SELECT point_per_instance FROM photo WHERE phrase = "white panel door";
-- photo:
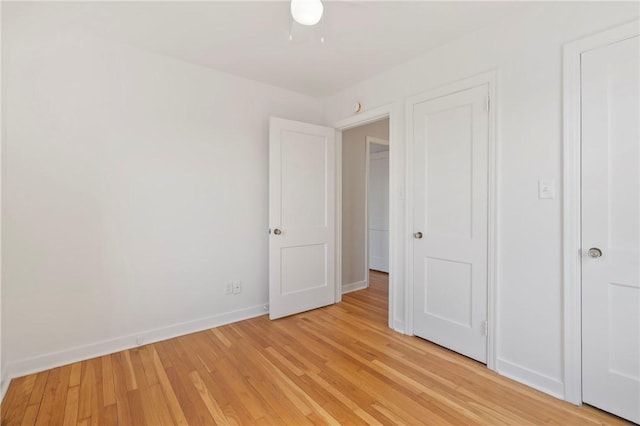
(301, 216)
(450, 163)
(378, 221)
(610, 229)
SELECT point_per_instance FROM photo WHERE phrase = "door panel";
(304, 179)
(301, 216)
(449, 172)
(450, 135)
(611, 223)
(378, 199)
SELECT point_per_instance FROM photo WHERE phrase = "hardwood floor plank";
(110, 416)
(336, 365)
(48, 397)
(136, 408)
(71, 406)
(17, 398)
(194, 409)
(214, 409)
(161, 406)
(146, 359)
(38, 388)
(30, 415)
(169, 394)
(108, 385)
(120, 389)
(76, 374)
(97, 397)
(131, 381)
(59, 392)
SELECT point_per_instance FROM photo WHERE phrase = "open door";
(302, 217)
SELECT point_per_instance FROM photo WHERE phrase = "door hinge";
(483, 328)
(487, 106)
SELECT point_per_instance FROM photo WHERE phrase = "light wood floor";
(336, 365)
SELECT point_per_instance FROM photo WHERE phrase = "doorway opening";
(365, 203)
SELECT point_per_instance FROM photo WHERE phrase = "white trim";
(5, 381)
(338, 218)
(529, 377)
(359, 285)
(571, 217)
(489, 78)
(396, 147)
(379, 141)
(493, 216)
(80, 353)
(367, 174)
(364, 117)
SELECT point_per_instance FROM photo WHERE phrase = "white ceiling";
(251, 39)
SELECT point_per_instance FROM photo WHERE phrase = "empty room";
(320, 212)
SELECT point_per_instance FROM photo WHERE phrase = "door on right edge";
(450, 182)
(610, 228)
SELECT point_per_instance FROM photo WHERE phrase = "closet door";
(611, 228)
(450, 155)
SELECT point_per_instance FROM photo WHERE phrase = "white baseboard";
(4, 385)
(399, 326)
(359, 285)
(80, 353)
(541, 382)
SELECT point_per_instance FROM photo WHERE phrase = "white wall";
(134, 187)
(527, 52)
(354, 148)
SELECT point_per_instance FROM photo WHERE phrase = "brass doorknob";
(277, 231)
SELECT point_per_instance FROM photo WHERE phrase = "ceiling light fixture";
(306, 12)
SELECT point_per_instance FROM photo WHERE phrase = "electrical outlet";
(228, 287)
(139, 340)
(237, 287)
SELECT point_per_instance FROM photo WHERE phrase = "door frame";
(572, 200)
(367, 173)
(489, 78)
(390, 111)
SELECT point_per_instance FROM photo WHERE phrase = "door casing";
(572, 200)
(396, 148)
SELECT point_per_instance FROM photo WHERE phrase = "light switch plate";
(546, 189)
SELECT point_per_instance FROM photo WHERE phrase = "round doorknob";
(277, 231)
(417, 235)
(594, 252)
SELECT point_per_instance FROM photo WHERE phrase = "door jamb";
(389, 111)
(489, 78)
(571, 212)
(367, 171)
